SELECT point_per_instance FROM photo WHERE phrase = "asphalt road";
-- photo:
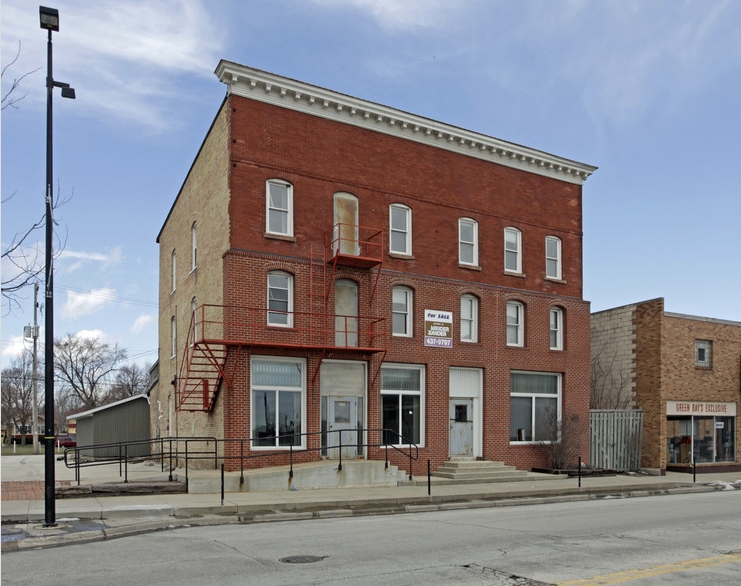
(675, 539)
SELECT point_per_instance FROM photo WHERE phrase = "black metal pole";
(49, 480)
(579, 472)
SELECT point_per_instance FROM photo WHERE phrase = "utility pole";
(35, 381)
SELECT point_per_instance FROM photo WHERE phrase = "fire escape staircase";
(218, 332)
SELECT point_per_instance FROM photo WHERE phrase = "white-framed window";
(553, 257)
(173, 270)
(534, 406)
(280, 299)
(703, 353)
(512, 250)
(556, 328)
(400, 229)
(515, 323)
(468, 242)
(279, 214)
(278, 398)
(469, 318)
(193, 246)
(402, 404)
(401, 311)
(173, 337)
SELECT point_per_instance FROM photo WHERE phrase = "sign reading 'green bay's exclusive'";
(438, 328)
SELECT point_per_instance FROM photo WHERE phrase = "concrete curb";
(125, 522)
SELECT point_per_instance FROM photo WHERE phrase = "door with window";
(466, 419)
(461, 427)
(342, 409)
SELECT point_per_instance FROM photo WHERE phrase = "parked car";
(66, 441)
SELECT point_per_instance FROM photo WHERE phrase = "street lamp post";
(49, 18)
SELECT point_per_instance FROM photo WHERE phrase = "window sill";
(552, 280)
(514, 274)
(520, 346)
(401, 256)
(469, 267)
(283, 237)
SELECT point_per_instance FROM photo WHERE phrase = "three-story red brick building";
(338, 275)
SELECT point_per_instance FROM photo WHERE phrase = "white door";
(461, 427)
(343, 427)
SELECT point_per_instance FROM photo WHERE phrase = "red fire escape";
(220, 331)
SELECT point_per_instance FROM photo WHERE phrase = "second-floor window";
(468, 242)
(193, 246)
(469, 318)
(703, 353)
(512, 250)
(515, 324)
(173, 270)
(402, 311)
(400, 229)
(279, 208)
(556, 328)
(280, 299)
(553, 257)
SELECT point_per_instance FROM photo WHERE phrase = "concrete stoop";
(475, 471)
(324, 474)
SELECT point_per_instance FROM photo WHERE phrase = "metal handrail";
(172, 449)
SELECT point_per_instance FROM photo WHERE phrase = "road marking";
(629, 575)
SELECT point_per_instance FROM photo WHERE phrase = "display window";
(700, 439)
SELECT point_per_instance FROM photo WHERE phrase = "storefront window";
(700, 439)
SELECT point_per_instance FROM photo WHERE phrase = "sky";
(646, 90)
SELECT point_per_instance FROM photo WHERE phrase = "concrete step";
(465, 470)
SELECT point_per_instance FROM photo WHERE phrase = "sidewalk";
(104, 517)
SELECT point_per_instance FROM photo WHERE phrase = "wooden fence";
(615, 439)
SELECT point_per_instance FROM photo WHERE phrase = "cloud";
(81, 258)
(400, 15)
(141, 323)
(91, 335)
(82, 304)
(12, 348)
(125, 59)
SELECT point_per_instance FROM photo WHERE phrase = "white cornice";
(295, 95)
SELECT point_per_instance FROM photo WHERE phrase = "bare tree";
(22, 258)
(565, 435)
(17, 395)
(84, 367)
(131, 380)
(611, 385)
(11, 97)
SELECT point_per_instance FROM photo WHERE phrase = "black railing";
(172, 451)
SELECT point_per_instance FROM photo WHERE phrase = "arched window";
(469, 318)
(280, 299)
(193, 247)
(556, 328)
(402, 312)
(173, 270)
(515, 323)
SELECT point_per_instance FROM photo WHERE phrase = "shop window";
(278, 395)
(535, 406)
(402, 404)
(701, 439)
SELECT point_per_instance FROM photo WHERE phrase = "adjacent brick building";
(684, 372)
(338, 275)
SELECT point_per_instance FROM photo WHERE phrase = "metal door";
(343, 427)
(461, 427)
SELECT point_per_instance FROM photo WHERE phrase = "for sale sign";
(438, 328)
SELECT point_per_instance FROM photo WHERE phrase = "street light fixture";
(49, 18)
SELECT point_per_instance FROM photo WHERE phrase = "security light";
(49, 18)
